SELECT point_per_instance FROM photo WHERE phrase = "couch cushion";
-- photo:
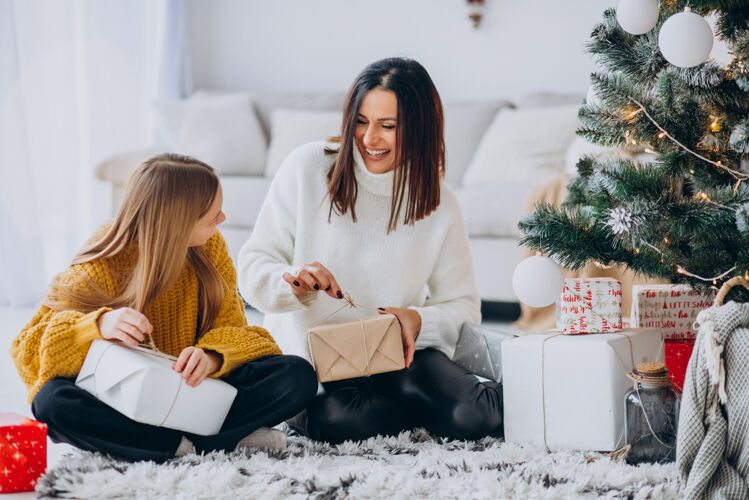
(493, 209)
(266, 104)
(291, 128)
(243, 198)
(221, 130)
(525, 146)
(465, 124)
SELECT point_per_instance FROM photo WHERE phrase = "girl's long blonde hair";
(164, 198)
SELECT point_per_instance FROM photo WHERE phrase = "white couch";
(496, 153)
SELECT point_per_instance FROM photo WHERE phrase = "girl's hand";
(124, 324)
(195, 364)
(410, 321)
(313, 277)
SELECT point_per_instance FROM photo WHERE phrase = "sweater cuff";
(86, 330)
(233, 357)
(429, 335)
(287, 300)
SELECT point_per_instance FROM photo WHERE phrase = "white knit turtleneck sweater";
(426, 266)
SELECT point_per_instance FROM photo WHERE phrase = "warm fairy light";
(704, 196)
(718, 163)
(648, 150)
(715, 282)
(746, 275)
(633, 142)
(666, 240)
(714, 126)
(661, 135)
(635, 113)
(691, 171)
(679, 270)
(637, 250)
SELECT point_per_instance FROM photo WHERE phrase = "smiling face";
(376, 128)
(206, 225)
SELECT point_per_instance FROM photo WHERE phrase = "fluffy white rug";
(411, 465)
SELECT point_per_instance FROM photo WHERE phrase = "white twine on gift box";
(543, 374)
(349, 302)
(153, 351)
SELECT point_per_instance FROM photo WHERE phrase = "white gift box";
(142, 385)
(671, 308)
(570, 388)
(590, 305)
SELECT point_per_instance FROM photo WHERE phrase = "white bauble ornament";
(637, 16)
(537, 281)
(685, 39)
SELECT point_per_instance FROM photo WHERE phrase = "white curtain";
(77, 83)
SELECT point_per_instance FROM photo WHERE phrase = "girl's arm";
(231, 337)
(269, 253)
(453, 299)
(53, 344)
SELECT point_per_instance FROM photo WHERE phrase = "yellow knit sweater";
(55, 343)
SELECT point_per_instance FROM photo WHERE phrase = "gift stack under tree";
(680, 211)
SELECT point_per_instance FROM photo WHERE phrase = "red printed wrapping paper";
(590, 305)
(23, 452)
(671, 308)
(677, 354)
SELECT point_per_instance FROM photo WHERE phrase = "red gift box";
(677, 354)
(23, 452)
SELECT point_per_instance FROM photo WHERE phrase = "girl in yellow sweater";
(160, 270)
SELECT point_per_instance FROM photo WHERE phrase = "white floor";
(13, 392)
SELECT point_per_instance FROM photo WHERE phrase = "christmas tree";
(684, 215)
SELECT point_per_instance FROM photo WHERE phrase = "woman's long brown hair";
(164, 198)
(420, 145)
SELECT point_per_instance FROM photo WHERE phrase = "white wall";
(321, 45)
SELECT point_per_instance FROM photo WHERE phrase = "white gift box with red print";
(671, 308)
(142, 385)
(590, 305)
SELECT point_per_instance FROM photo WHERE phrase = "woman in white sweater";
(369, 215)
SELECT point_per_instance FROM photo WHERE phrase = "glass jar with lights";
(651, 415)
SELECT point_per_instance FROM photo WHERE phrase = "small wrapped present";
(141, 384)
(678, 352)
(590, 305)
(566, 391)
(479, 350)
(672, 308)
(23, 452)
(357, 348)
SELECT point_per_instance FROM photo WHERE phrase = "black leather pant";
(270, 390)
(433, 393)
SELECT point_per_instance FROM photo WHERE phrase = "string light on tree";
(637, 17)
(685, 39)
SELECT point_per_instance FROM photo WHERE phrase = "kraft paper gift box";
(23, 452)
(590, 305)
(358, 348)
(672, 308)
(142, 385)
(479, 350)
(570, 388)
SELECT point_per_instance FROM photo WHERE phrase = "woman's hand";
(410, 321)
(313, 277)
(124, 324)
(195, 364)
